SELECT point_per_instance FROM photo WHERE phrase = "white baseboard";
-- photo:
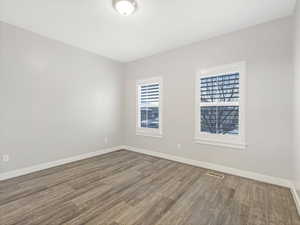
(224, 169)
(31, 169)
(296, 198)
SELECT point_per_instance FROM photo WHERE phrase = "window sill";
(149, 135)
(235, 145)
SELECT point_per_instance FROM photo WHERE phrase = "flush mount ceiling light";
(125, 7)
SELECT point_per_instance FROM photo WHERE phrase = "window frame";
(233, 141)
(151, 132)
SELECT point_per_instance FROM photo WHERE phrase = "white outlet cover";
(106, 140)
(178, 145)
(5, 158)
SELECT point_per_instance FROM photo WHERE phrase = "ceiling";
(157, 26)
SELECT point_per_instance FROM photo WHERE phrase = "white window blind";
(149, 106)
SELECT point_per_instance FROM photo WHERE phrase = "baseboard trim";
(296, 198)
(224, 169)
(47, 165)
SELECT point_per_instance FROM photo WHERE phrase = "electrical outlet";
(5, 158)
(179, 146)
(106, 140)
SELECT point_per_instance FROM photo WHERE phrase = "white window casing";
(217, 91)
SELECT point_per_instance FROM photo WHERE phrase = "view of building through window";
(149, 106)
(150, 117)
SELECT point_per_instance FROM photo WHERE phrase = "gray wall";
(267, 49)
(297, 99)
(56, 101)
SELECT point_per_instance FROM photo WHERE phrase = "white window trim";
(231, 141)
(150, 132)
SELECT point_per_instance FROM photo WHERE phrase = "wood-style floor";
(127, 188)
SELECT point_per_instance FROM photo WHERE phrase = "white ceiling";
(157, 26)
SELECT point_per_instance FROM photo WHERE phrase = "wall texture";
(267, 49)
(296, 132)
(56, 101)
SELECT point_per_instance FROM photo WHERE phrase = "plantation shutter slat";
(149, 94)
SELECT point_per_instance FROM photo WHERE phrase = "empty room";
(150, 112)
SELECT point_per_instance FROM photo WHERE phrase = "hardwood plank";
(128, 188)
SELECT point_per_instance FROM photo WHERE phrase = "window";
(149, 107)
(220, 106)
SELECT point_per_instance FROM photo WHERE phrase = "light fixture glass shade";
(125, 7)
